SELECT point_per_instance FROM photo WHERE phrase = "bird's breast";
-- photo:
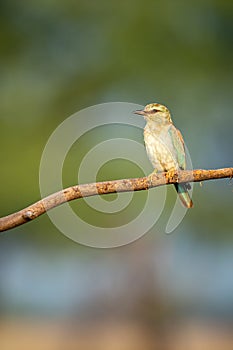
(160, 150)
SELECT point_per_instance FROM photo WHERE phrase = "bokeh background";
(160, 292)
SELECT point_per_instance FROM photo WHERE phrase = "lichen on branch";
(106, 187)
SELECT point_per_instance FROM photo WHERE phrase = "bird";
(165, 145)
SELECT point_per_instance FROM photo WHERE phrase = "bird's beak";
(140, 112)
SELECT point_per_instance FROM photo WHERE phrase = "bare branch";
(106, 187)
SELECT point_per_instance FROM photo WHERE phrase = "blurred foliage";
(57, 57)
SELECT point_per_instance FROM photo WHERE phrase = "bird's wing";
(178, 144)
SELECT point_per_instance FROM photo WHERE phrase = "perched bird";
(165, 145)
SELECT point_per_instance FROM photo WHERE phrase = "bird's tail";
(184, 195)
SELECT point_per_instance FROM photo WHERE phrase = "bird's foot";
(171, 175)
(153, 176)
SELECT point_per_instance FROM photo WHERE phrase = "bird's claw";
(172, 175)
(152, 176)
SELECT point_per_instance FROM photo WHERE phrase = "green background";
(59, 57)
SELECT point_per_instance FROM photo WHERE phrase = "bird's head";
(155, 112)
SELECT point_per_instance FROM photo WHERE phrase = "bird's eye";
(154, 110)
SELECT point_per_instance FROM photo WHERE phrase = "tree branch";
(106, 187)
